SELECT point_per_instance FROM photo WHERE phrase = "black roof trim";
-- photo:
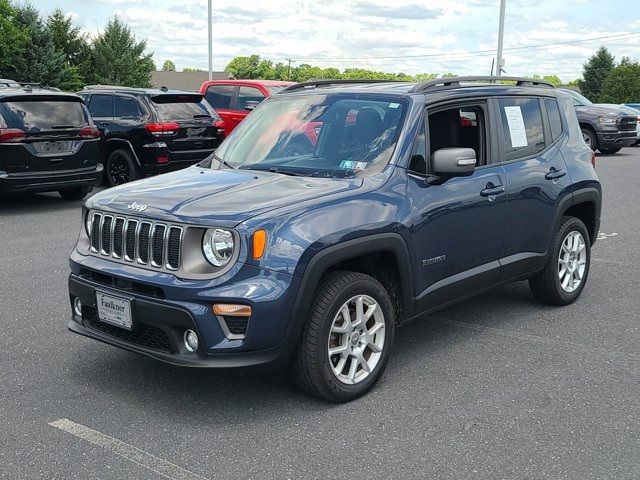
(455, 82)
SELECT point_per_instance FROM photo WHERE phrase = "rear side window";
(183, 107)
(248, 94)
(101, 106)
(127, 107)
(522, 127)
(37, 115)
(219, 96)
(554, 117)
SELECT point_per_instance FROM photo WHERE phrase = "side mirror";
(251, 104)
(454, 162)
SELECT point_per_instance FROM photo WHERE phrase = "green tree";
(168, 66)
(250, 68)
(595, 72)
(70, 40)
(13, 42)
(622, 84)
(191, 69)
(42, 61)
(118, 58)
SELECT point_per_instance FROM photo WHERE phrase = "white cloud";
(402, 35)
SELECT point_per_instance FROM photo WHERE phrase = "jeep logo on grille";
(140, 207)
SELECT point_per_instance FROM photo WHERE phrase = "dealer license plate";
(114, 310)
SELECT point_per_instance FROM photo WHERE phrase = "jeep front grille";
(136, 241)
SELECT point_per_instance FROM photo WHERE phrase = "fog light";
(190, 340)
(77, 306)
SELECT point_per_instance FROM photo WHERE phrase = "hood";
(214, 197)
(603, 110)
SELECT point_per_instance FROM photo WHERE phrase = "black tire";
(546, 285)
(610, 151)
(311, 365)
(590, 138)
(75, 194)
(120, 168)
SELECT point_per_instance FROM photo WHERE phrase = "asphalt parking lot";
(498, 387)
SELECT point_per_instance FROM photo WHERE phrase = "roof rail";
(454, 82)
(328, 83)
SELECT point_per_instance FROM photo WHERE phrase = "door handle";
(555, 174)
(492, 190)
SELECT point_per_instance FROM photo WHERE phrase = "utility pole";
(500, 62)
(289, 69)
(210, 42)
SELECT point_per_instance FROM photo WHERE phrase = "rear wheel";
(609, 151)
(590, 138)
(347, 340)
(74, 194)
(120, 168)
(563, 279)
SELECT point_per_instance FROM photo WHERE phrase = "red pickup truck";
(234, 99)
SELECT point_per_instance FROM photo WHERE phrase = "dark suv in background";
(47, 143)
(605, 127)
(411, 197)
(151, 131)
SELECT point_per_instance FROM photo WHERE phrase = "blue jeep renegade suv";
(336, 212)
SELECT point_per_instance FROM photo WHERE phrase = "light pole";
(500, 62)
(210, 42)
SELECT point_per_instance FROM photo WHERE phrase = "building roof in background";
(189, 81)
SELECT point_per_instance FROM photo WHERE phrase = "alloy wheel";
(572, 261)
(356, 339)
(119, 170)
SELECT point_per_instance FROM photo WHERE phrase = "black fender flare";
(583, 195)
(126, 144)
(327, 257)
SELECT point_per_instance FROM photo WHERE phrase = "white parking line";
(134, 454)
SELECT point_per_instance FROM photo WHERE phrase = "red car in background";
(234, 99)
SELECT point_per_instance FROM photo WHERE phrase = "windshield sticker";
(353, 165)
(516, 127)
(394, 105)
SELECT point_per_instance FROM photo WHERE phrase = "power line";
(622, 36)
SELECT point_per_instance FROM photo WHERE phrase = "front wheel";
(590, 138)
(563, 278)
(609, 151)
(346, 342)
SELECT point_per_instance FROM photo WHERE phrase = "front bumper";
(163, 310)
(50, 181)
(616, 139)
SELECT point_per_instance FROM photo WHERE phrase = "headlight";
(607, 119)
(218, 246)
(87, 221)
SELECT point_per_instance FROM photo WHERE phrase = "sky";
(410, 36)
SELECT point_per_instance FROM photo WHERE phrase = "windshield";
(578, 100)
(322, 135)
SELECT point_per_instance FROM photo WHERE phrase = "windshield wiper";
(292, 173)
(63, 127)
(201, 115)
(223, 162)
